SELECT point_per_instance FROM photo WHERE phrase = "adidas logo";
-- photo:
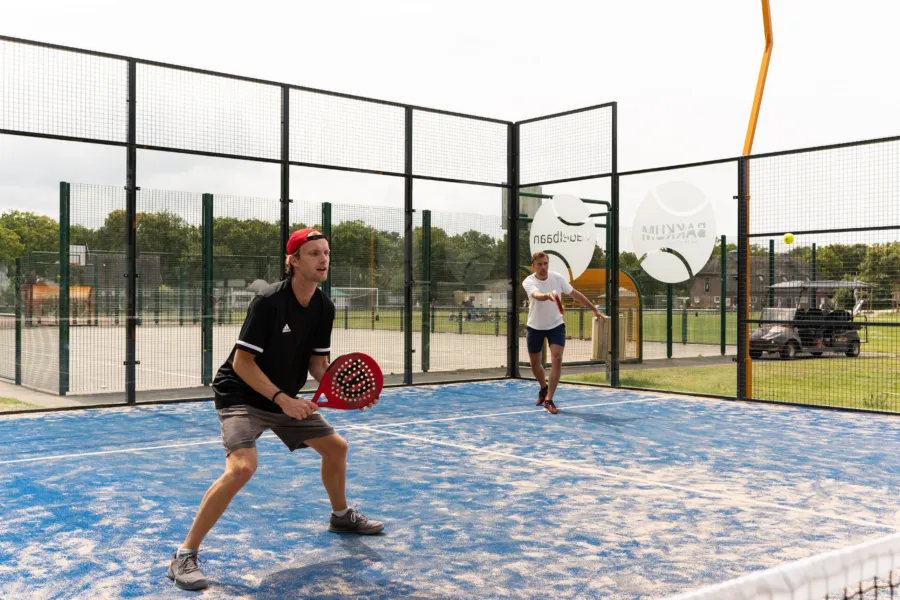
(286, 329)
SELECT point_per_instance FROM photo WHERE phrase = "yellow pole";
(761, 81)
(748, 146)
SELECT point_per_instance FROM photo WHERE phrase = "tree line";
(250, 248)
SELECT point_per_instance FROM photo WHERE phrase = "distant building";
(706, 289)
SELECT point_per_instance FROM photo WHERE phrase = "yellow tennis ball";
(789, 238)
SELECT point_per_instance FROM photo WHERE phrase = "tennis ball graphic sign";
(674, 232)
(563, 228)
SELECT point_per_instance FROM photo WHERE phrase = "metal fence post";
(744, 370)
(813, 276)
(426, 291)
(206, 335)
(723, 291)
(613, 236)
(326, 229)
(18, 311)
(771, 295)
(408, 283)
(140, 298)
(131, 274)
(512, 252)
(95, 305)
(64, 286)
(668, 320)
(180, 296)
(285, 222)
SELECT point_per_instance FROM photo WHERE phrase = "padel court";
(625, 495)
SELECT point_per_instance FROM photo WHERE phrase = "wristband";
(275, 395)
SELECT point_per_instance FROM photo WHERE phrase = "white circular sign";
(564, 229)
(674, 232)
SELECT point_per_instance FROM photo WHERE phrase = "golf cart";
(791, 331)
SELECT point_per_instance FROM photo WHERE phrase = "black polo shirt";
(282, 335)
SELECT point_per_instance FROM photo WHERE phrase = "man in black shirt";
(286, 335)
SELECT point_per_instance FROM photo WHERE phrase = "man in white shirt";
(546, 322)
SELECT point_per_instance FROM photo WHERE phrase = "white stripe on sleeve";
(251, 346)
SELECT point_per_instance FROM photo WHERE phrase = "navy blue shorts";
(534, 338)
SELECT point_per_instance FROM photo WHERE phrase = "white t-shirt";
(545, 314)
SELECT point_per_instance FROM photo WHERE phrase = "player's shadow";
(600, 419)
(332, 579)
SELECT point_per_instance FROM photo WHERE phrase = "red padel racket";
(558, 302)
(351, 381)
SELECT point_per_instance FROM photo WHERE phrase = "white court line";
(504, 414)
(547, 462)
(270, 435)
(103, 452)
(106, 362)
(643, 481)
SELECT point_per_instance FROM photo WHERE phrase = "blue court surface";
(622, 495)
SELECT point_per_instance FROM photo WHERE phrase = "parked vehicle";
(792, 331)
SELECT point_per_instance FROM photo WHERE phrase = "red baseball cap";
(301, 236)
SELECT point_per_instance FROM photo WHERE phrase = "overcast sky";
(683, 74)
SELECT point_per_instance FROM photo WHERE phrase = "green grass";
(13, 404)
(703, 327)
(872, 383)
(717, 380)
(882, 339)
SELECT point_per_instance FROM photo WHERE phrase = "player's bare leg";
(333, 450)
(184, 569)
(240, 466)
(537, 367)
(556, 357)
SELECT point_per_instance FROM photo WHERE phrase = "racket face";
(354, 381)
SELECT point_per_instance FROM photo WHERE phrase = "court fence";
(141, 290)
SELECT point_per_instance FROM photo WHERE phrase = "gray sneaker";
(186, 573)
(354, 522)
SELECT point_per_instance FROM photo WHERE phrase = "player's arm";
(533, 292)
(321, 344)
(318, 366)
(252, 342)
(582, 299)
(247, 369)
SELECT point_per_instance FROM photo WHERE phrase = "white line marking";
(547, 462)
(103, 452)
(504, 414)
(269, 435)
(643, 481)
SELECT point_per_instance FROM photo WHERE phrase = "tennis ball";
(789, 238)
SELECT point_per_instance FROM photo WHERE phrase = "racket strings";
(354, 382)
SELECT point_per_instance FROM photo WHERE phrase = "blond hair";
(537, 255)
(288, 267)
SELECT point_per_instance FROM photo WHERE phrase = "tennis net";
(867, 571)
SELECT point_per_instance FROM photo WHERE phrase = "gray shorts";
(242, 426)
